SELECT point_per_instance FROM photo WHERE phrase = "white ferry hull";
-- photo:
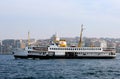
(65, 53)
(53, 56)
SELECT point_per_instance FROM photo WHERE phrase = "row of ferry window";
(75, 48)
(92, 53)
(84, 53)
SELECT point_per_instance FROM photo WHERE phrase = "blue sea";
(11, 68)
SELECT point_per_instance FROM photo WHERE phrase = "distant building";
(103, 44)
(55, 38)
(7, 45)
(17, 44)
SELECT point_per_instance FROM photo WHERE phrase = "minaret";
(28, 38)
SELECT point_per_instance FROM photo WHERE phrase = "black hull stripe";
(64, 57)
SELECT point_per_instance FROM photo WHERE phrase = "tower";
(28, 38)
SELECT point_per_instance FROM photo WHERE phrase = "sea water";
(11, 68)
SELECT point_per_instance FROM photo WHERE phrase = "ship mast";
(80, 41)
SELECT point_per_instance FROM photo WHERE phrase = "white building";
(103, 44)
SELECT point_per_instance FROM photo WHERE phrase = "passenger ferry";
(59, 49)
(54, 51)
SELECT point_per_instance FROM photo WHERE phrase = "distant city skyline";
(43, 18)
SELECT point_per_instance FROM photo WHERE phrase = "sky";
(43, 18)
